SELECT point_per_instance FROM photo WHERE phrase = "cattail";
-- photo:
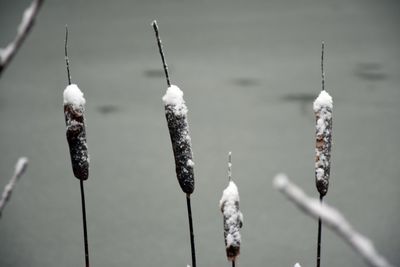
(323, 111)
(74, 108)
(176, 114)
(323, 106)
(233, 218)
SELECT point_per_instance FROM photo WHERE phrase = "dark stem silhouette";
(193, 250)
(319, 237)
(160, 49)
(85, 235)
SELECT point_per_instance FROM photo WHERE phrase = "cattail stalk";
(323, 106)
(74, 108)
(20, 168)
(232, 217)
(176, 116)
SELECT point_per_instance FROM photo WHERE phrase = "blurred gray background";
(250, 71)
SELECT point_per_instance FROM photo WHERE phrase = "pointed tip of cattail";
(230, 166)
(322, 65)
(66, 54)
(154, 23)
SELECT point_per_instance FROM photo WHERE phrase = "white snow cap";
(74, 96)
(323, 100)
(297, 265)
(230, 193)
(174, 97)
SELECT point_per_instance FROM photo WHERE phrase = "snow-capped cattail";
(74, 108)
(233, 218)
(176, 114)
(323, 106)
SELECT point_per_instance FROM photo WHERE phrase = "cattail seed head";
(233, 220)
(74, 108)
(323, 106)
(176, 115)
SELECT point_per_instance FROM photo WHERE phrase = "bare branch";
(28, 19)
(20, 168)
(333, 219)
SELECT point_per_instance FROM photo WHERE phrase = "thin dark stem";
(233, 263)
(66, 54)
(85, 235)
(322, 65)
(189, 209)
(319, 236)
(160, 49)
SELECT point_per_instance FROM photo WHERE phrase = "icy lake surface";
(250, 71)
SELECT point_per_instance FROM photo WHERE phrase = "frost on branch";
(28, 19)
(74, 108)
(20, 168)
(176, 115)
(233, 220)
(333, 219)
(323, 111)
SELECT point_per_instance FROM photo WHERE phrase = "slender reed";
(319, 236)
(323, 110)
(76, 136)
(176, 115)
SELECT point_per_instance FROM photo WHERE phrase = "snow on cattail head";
(233, 220)
(323, 106)
(324, 99)
(74, 96)
(176, 115)
(74, 107)
(174, 98)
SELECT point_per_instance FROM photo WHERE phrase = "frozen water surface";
(135, 208)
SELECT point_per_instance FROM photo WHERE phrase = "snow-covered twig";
(20, 168)
(333, 219)
(28, 19)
